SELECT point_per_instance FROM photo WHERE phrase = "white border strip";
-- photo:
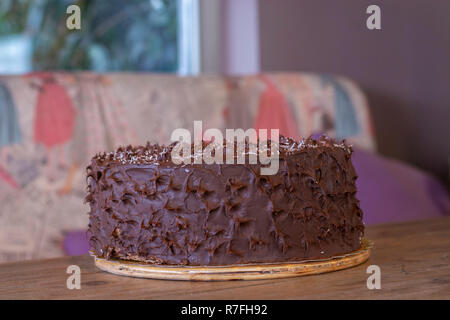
(188, 37)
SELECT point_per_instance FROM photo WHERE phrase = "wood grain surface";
(414, 258)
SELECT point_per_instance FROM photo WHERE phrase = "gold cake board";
(235, 272)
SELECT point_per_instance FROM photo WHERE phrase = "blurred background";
(115, 35)
(138, 69)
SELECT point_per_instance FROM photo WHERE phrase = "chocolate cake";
(145, 208)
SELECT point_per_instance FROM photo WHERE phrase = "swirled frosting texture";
(221, 214)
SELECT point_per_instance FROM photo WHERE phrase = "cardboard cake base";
(235, 272)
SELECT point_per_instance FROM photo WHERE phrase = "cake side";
(221, 214)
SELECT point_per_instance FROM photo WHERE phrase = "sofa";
(52, 123)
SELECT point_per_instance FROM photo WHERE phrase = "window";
(115, 35)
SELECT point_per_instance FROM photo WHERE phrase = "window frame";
(188, 37)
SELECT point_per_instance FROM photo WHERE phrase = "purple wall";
(404, 67)
(240, 36)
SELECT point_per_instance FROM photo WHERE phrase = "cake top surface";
(156, 153)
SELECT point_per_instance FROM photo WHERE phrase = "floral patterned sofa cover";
(51, 124)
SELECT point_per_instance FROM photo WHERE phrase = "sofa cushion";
(393, 191)
(301, 104)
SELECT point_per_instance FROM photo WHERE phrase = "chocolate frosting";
(145, 208)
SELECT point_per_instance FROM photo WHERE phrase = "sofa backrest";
(51, 124)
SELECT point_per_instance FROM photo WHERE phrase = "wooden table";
(414, 258)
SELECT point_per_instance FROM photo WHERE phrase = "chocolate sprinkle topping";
(155, 153)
